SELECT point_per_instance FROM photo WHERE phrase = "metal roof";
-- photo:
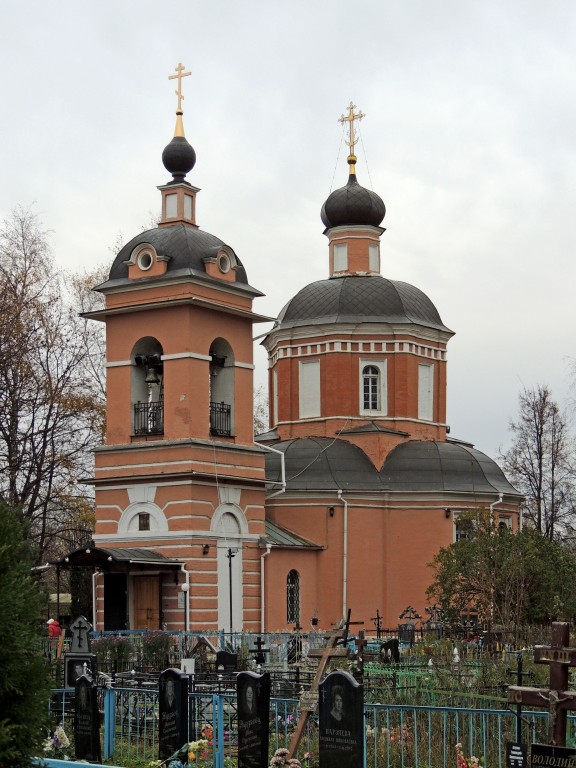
(321, 463)
(281, 537)
(115, 556)
(360, 299)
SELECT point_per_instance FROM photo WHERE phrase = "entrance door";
(115, 601)
(146, 602)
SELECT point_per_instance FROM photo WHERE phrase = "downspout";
(269, 546)
(262, 602)
(344, 557)
(500, 498)
(186, 589)
(282, 469)
(94, 606)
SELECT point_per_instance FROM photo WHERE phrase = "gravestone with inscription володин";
(253, 698)
(341, 729)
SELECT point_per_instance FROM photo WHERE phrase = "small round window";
(224, 262)
(145, 260)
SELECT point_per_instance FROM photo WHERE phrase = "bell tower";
(179, 480)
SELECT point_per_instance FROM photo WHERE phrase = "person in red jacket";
(53, 628)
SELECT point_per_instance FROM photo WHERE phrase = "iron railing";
(149, 418)
(220, 419)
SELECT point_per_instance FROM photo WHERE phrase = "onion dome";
(352, 204)
(179, 158)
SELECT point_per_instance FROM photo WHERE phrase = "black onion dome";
(359, 299)
(352, 204)
(422, 465)
(185, 246)
(179, 157)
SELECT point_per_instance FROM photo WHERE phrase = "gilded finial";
(179, 130)
(350, 118)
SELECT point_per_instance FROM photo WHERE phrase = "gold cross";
(178, 76)
(350, 118)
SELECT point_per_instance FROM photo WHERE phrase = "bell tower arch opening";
(221, 388)
(147, 387)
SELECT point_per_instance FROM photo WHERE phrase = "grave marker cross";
(559, 657)
(259, 651)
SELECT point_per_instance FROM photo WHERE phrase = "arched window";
(293, 598)
(371, 388)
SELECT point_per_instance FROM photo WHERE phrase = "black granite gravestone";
(226, 662)
(173, 689)
(253, 696)
(86, 722)
(390, 651)
(341, 731)
(76, 665)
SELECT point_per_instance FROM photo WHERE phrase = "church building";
(357, 484)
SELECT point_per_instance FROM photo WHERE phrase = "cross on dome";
(178, 76)
(351, 118)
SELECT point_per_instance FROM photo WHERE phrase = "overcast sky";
(469, 137)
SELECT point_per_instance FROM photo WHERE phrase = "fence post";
(218, 729)
(109, 722)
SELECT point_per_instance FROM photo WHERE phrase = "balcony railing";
(149, 418)
(220, 419)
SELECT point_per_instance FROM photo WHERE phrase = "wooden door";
(146, 602)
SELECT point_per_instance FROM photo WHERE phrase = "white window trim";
(340, 261)
(382, 367)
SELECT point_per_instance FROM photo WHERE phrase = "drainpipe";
(282, 469)
(500, 498)
(262, 604)
(344, 557)
(186, 589)
(94, 606)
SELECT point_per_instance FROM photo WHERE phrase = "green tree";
(24, 677)
(510, 579)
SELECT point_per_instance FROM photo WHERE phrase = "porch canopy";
(117, 559)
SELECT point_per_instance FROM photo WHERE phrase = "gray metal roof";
(320, 463)
(419, 465)
(281, 537)
(187, 248)
(360, 299)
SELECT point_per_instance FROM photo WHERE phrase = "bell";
(151, 376)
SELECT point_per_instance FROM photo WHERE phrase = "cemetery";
(323, 698)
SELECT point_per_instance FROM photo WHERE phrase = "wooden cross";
(559, 657)
(351, 118)
(178, 76)
(326, 654)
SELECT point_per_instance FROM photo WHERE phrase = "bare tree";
(539, 462)
(260, 410)
(51, 413)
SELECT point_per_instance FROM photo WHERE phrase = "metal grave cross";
(559, 656)
(259, 651)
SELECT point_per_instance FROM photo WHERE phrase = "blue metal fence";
(397, 736)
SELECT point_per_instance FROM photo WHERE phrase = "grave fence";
(397, 735)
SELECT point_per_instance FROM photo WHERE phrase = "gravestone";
(341, 728)
(173, 689)
(226, 662)
(253, 698)
(86, 722)
(80, 635)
